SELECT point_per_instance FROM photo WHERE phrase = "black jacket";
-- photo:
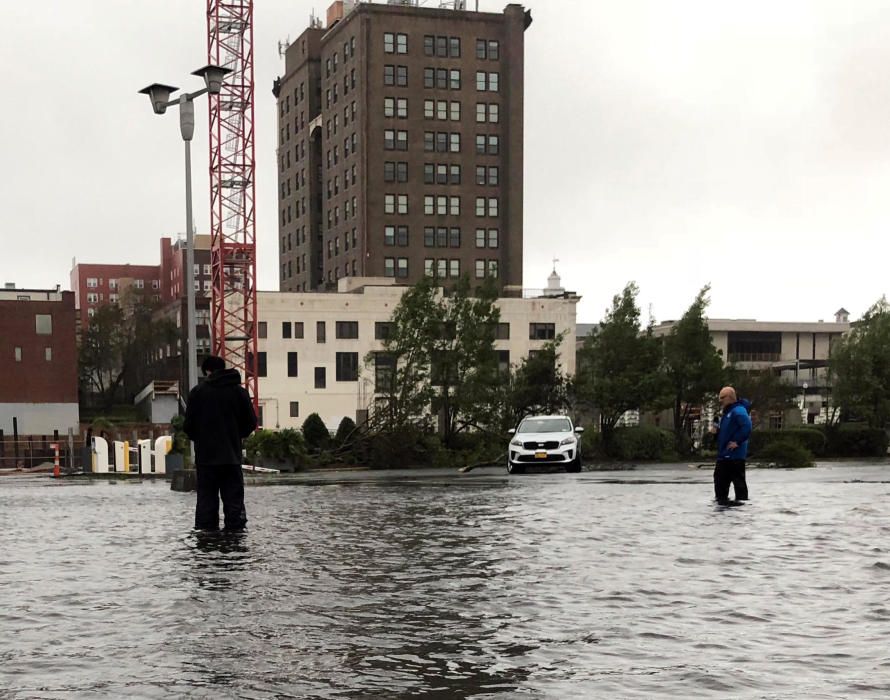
(218, 415)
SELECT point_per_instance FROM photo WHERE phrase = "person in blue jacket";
(732, 446)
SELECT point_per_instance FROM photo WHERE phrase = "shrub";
(642, 443)
(180, 439)
(345, 431)
(788, 454)
(812, 439)
(856, 441)
(282, 445)
(315, 432)
(592, 445)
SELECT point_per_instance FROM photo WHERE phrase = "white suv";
(547, 440)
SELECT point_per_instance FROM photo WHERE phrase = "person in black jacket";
(219, 414)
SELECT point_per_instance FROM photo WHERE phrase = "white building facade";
(313, 346)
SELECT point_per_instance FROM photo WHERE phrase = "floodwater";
(592, 585)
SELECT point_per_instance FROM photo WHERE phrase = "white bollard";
(100, 455)
(163, 445)
(144, 456)
(121, 456)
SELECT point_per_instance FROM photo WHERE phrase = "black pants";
(730, 471)
(215, 481)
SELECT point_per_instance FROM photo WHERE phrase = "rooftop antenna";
(555, 260)
(283, 46)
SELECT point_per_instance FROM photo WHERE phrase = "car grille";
(549, 460)
(549, 445)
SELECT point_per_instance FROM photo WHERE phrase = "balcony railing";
(754, 356)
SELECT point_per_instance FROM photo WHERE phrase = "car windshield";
(545, 425)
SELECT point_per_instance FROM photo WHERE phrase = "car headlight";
(568, 441)
(517, 443)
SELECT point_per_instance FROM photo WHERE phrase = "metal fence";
(34, 451)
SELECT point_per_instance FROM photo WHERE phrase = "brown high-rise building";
(401, 146)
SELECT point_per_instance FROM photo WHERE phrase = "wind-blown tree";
(118, 348)
(538, 386)
(860, 367)
(439, 354)
(692, 365)
(765, 390)
(619, 366)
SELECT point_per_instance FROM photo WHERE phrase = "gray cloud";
(674, 144)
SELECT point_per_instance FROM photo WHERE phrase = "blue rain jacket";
(735, 426)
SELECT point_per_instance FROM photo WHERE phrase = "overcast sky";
(674, 143)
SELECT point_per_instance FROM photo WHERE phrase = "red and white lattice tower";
(233, 189)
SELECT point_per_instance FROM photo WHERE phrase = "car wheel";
(515, 468)
(575, 465)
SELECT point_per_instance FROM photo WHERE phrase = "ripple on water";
(541, 587)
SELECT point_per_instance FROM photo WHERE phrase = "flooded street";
(599, 585)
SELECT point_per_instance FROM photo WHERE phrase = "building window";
(493, 268)
(320, 332)
(454, 79)
(346, 330)
(292, 364)
(389, 43)
(454, 47)
(428, 268)
(321, 377)
(502, 331)
(480, 269)
(384, 372)
(44, 324)
(454, 268)
(429, 45)
(286, 329)
(454, 111)
(441, 268)
(541, 331)
(92, 282)
(48, 354)
(262, 329)
(294, 409)
(382, 330)
(347, 366)
(402, 267)
(261, 364)
(454, 237)
(401, 43)
(454, 143)
(156, 284)
(401, 77)
(389, 267)
(18, 354)
(389, 75)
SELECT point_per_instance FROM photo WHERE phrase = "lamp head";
(213, 77)
(159, 95)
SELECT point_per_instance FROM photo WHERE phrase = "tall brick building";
(401, 146)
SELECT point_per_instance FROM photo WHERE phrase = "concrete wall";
(39, 418)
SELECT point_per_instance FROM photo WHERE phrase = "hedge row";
(642, 443)
(831, 442)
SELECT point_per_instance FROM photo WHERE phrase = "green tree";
(860, 367)
(119, 346)
(538, 385)
(402, 370)
(315, 432)
(765, 390)
(693, 367)
(618, 366)
(439, 354)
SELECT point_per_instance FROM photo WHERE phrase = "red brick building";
(38, 384)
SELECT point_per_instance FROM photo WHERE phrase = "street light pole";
(187, 127)
(159, 95)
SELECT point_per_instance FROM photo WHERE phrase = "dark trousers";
(730, 471)
(215, 481)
